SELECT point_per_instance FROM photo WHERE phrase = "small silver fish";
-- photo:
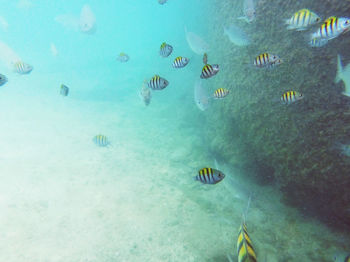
(180, 62)
(22, 68)
(209, 175)
(318, 42)
(162, 2)
(165, 50)
(248, 11)
(123, 58)
(209, 71)
(145, 94)
(157, 83)
(101, 140)
(3, 80)
(64, 90)
(205, 58)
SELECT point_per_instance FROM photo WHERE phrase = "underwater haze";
(174, 130)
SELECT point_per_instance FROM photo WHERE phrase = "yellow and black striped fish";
(302, 19)
(22, 68)
(291, 96)
(332, 28)
(157, 83)
(245, 248)
(209, 71)
(64, 90)
(180, 62)
(101, 140)
(165, 50)
(209, 175)
(221, 93)
(266, 60)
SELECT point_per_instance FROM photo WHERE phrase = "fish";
(87, 21)
(180, 62)
(3, 24)
(201, 97)
(205, 58)
(123, 58)
(101, 140)
(343, 74)
(221, 93)
(318, 42)
(145, 93)
(64, 90)
(196, 43)
(22, 68)
(209, 71)
(302, 19)
(236, 35)
(332, 28)
(266, 60)
(165, 50)
(3, 79)
(245, 249)
(291, 97)
(157, 83)
(248, 11)
(209, 175)
(162, 2)
(53, 49)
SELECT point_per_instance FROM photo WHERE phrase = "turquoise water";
(63, 198)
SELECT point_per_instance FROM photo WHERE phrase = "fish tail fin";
(339, 70)
(245, 212)
(229, 257)
(195, 178)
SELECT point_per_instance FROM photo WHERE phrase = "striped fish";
(209, 71)
(101, 140)
(291, 96)
(165, 50)
(245, 248)
(157, 83)
(209, 175)
(332, 28)
(302, 19)
(221, 93)
(318, 42)
(22, 68)
(180, 62)
(64, 90)
(267, 60)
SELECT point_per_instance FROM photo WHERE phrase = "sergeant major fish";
(64, 90)
(209, 175)
(209, 71)
(122, 57)
(291, 97)
(180, 62)
(221, 93)
(3, 80)
(267, 60)
(332, 28)
(302, 19)
(22, 68)
(165, 50)
(101, 140)
(157, 83)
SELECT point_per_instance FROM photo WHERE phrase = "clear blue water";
(62, 198)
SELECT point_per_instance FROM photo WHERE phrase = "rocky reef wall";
(295, 146)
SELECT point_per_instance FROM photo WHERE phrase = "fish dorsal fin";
(163, 45)
(329, 19)
(303, 10)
